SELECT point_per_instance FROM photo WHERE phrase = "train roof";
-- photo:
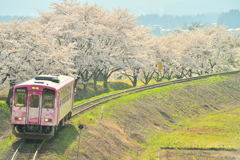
(49, 80)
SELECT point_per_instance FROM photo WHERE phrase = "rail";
(16, 151)
(18, 155)
(93, 103)
(38, 149)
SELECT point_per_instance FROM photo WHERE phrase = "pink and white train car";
(41, 105)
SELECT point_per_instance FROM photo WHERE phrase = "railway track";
(22, 152)
(27, 150)
(93, 103)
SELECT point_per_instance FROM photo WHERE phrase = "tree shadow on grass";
(62, 140)
(16, 144)
(90, 92)
(119, 85)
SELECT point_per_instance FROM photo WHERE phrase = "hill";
(174, 21)
(7, 19)
(5, 128)
(199, 119)
(230, 19)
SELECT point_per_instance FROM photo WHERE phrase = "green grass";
(96, 97)
(3, 106)
(212, 128)
(6, 142)
(218, 130)
(209, 130)
(64, 140)
(90, 92)
(122, 84)
(115, 87)
(91, 116)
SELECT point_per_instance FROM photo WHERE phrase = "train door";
(34, 107)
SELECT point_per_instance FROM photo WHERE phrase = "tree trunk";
(132, 77)
(190, 73)
(105, 84)
(134, 81)
(95, 84)
(10, 93)
(95, 74)
(76, 82)
(85, 84)
(158, 77)
(85, 77)
(169, 75)
(4, 79)
(200, 73)
(106, 73)
(147, 77)
(9, 97)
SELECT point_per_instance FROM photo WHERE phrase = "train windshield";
(21, 97)
(34, 101)
(48, 98)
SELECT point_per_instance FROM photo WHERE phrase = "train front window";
(48, 98)
(34, 101)
(21, 97)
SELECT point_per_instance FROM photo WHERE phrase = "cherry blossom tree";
(138, 57)
(97, 36)
(91, 43)
(200, 51)
(25, 52)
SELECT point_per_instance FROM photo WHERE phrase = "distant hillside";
(164, 24)
(231, 19)
(171, 21)
(14, 18)
(7, 18)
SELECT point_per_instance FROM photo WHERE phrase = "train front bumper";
(24, 131)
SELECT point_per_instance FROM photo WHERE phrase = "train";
(42, 105)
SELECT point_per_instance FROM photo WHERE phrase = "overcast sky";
(139, 7)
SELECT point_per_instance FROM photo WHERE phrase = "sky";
(138, 7)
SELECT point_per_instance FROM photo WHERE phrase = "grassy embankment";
(114, 87)
(6, 139)
(196, 116)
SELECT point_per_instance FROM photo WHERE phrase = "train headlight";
(18, 118)
(47, 120)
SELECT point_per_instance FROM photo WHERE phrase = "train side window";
(34, 101)
(48, 98)
(65, 95)
(21, 97)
